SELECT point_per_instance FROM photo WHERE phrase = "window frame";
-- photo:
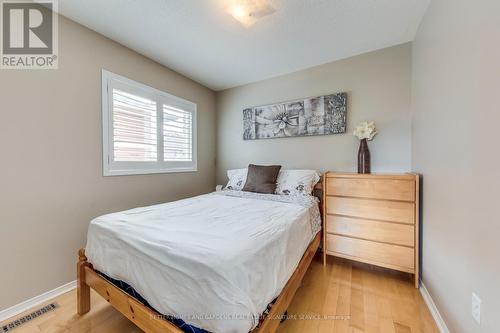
(116, 168)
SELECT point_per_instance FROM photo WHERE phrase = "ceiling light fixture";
(247, 12)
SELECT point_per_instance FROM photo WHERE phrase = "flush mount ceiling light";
(247, 12)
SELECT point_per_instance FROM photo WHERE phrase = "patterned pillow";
(297, 182)
(237, 179)
(290, 182)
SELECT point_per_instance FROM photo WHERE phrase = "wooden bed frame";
(151, 321)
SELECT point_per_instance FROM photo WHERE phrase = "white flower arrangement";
(365, 130)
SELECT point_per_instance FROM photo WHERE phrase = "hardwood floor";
(341, 297)
(356, 298)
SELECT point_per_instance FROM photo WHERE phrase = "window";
(145, 130)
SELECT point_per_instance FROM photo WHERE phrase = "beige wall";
(51, 166)
(456, 84)
(378, 84)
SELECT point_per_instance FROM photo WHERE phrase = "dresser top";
(401, 176)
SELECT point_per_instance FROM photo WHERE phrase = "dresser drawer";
(394, 211)
(373, 188)
(371, 252)
(400, 234)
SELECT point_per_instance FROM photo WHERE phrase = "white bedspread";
(216, 260)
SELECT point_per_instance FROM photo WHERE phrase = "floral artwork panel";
(321, 115)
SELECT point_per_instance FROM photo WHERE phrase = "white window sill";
(110, 173)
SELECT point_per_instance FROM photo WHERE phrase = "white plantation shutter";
(177, 134)
(146, 130)
(134, 128)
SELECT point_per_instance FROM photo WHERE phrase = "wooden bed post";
(83, 290)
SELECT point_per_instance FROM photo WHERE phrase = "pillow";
(237, 179)
(297, 182)
(262, 179)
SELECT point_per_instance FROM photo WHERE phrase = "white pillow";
(290, 182)
(297, 182)
(237, 179)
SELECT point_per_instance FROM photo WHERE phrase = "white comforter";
(216, 260)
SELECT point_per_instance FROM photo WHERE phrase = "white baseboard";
(433, 309)
(37, 300)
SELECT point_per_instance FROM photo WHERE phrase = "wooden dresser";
(372, 218)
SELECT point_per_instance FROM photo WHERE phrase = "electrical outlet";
(476, 308)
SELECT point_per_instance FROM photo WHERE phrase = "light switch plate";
(476, 308)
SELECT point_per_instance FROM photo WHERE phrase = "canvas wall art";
(321, 115)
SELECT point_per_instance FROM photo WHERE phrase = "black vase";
(363, 157)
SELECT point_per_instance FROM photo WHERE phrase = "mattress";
(215, 261)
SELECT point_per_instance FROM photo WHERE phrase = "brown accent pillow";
(262, 178)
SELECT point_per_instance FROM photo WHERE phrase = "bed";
(228, 261)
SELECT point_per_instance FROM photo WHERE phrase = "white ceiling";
(199, 39)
